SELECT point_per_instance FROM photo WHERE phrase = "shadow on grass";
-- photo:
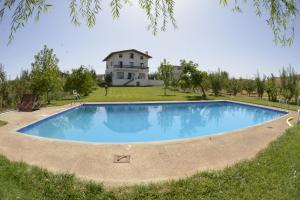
(193, 98)
(167, 95)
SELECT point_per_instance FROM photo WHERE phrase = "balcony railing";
(130, 67)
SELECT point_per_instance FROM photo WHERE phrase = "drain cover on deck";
(121, 158)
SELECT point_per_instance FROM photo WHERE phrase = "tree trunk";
(203, 92)
(48, 100)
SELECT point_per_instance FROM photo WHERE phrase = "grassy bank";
(126, 94)
(273, 174)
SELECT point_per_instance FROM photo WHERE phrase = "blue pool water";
(149, 122)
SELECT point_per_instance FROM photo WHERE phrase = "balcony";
(130, 67)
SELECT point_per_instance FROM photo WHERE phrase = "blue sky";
(209, 34)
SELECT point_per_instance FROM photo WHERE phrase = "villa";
(129, 67)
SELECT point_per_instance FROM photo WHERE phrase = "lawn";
(273, 174)
(126, 94)
(116, 94)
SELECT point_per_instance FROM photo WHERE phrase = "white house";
(129, 67)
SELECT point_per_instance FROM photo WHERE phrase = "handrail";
(128, 82)
(130, 66)
(288, 121)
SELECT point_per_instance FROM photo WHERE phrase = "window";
(141, 76)
(120, 75)
(120, 55)
(120, 64)
(131, 64)
(131, 55)
(142, 64)
(111, 63)
(142, 57)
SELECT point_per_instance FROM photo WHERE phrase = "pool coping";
(151, 161)
(285, 113)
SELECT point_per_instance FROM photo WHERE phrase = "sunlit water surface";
(149, 122)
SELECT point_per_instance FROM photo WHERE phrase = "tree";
(81, 80)
(100, 82)
(3, 86)
(249, 85)
(94, 74)
(281, 14)
(218, 81)
(108, 79)
(22, 85)
(289, 83)
(271, 88)
(184, 82)
(234, 86)
(260, 85)
(158, 12)
(45, 73)
(191, 77)
(153, 76)
(166, 74)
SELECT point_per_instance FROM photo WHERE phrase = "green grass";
(2, 123)
(256, 100)
(125, 94)
(273, 174)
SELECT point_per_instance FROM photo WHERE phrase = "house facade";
(129, 67)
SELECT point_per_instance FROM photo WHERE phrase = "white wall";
(114, 59)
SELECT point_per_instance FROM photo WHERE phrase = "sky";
(209, 34)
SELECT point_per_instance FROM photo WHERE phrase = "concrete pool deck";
(149, 162)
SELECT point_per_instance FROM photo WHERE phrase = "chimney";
(146, 52)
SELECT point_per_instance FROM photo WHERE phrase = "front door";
(129, 75)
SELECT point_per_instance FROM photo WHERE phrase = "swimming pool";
(144, 122)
